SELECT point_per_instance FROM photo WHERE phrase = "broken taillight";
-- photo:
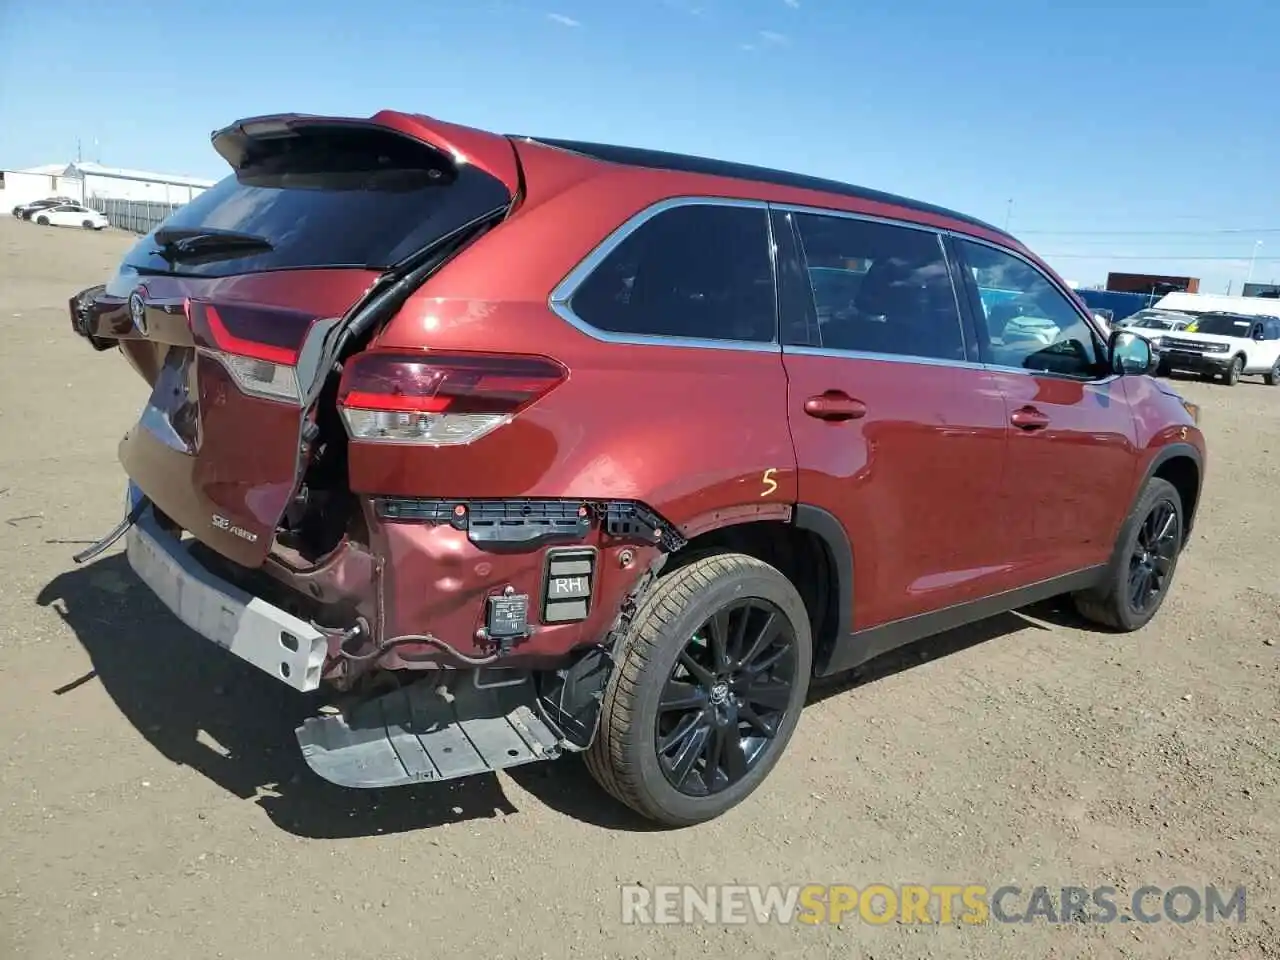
(437, 398)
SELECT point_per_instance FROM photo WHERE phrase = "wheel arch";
(1182, 465)
(810, 547)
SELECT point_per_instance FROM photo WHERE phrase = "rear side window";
(332, 197)
(880, 288)
(697, 271)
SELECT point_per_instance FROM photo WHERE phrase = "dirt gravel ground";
(154, 804)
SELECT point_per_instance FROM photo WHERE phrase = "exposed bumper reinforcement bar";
(291, 650)
(422, 733)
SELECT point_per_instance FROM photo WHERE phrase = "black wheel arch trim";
(1171, 451)
(824, 525)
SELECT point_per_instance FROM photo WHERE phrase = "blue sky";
(1129, 136)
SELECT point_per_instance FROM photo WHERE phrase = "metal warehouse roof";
(86, 169)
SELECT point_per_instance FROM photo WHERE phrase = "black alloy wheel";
(1154, 554)
(726, 697)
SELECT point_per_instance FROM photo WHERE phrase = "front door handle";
(1029, 418)
(835, 405)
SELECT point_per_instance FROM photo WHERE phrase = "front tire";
(43, 221)
(1232, 376)
(706, 692)
(1142, 568)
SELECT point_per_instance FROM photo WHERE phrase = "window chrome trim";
(837, 353)
(792, 208)
(563, 292)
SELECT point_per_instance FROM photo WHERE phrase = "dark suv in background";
(527, 446)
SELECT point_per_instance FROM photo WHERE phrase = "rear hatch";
(236, 309)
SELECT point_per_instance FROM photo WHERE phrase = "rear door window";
(698, 271)
(879, 288)
(333, 197)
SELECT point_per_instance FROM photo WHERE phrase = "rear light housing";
(260, 369)
(439, 399)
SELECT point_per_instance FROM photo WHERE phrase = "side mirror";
(1130, 354)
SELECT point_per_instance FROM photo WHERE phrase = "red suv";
(517, 446)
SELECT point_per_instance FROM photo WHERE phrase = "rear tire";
(706, 692)
(1272, 376)
(88, 225)
(1232, 376)
(1143, 565)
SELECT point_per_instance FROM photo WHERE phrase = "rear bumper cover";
(278, 643)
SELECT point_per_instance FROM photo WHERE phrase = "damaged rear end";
(250, 313)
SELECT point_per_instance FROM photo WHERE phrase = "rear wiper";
(197, 244)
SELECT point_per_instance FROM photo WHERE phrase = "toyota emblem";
(138, 311)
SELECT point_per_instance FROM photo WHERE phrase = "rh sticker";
(770, 484)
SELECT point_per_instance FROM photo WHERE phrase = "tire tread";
(606, 759)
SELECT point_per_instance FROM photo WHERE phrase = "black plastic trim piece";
(854, 649)
(1169, 452)
(630, 519)
(569, 699)
(531, 523)
(831, 531)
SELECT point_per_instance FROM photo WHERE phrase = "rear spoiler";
(492, 153)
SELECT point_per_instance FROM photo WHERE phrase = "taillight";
(259, 367)
(261, 378)
(436, 398)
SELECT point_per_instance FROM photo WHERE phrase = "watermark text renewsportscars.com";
(914, 903)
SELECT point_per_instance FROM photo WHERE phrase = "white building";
(86, 182)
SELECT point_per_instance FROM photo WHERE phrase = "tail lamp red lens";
(258, 348)
(438, 398)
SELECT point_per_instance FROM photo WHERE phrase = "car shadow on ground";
(567, 787)
(202, 708)
(1041, 616)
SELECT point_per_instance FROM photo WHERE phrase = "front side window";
(1026, 322)
(698, 271)
(880, 288)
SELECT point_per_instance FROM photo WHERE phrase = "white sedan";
(71, 215)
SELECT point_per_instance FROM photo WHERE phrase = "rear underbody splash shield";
(430, 731)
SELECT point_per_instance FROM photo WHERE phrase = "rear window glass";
(333, 198)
